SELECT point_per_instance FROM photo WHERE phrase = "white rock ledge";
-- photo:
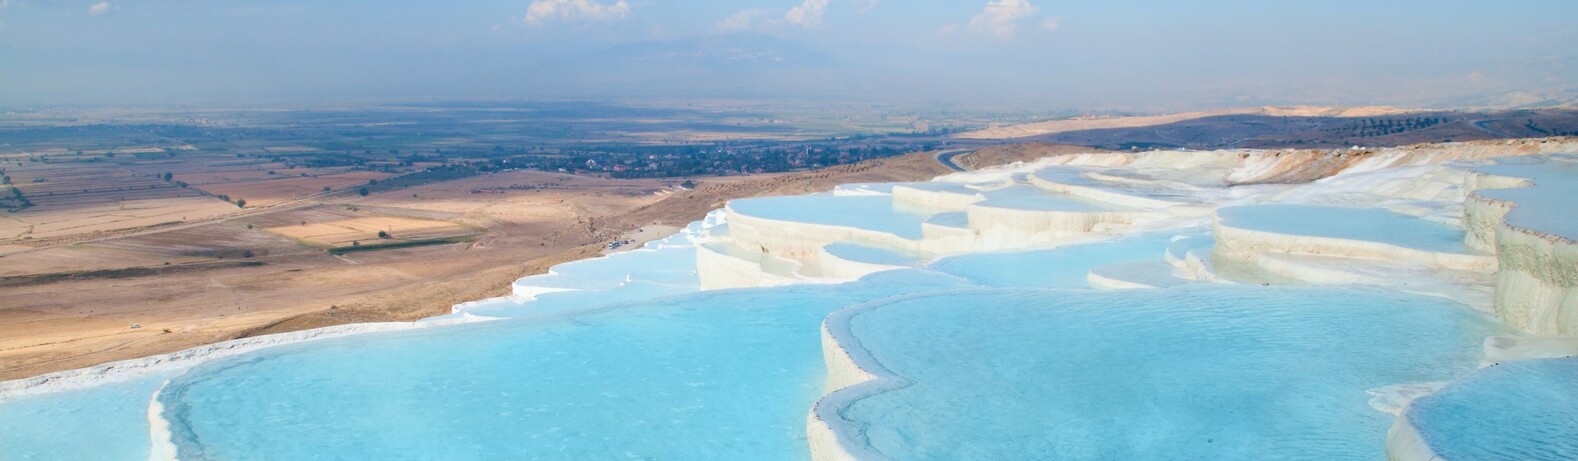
(1508, 348)
(161, 442)
(1404, 443)
(1524, 213)
(852, 374)
(842, 373)
(1246, 244)
(1134, 275)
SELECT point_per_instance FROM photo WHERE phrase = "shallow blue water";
(873, 255)
(717, 375)
(1139, 185)
(1518, 410)
(941, 186)
(957, 219)
(875, 213)
(672, 266)
(1062, 267)
(1209, 373)
(105, 422)
(1546, 206)
(1371, 224)
(1180, 248)
(1031, 198)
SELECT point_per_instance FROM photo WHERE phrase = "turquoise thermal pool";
(1515, 410)
(1203, 372)
(1347, 223)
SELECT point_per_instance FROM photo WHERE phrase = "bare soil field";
(73, 183)
(259, 173)
(220, 240)
(80, 195)
(345, 232)
(48, 222)
(74, 258)
(302, 216)
(269, 192)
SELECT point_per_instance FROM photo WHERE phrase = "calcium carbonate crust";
(1537, 286)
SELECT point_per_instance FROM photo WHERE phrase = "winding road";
(946, 158)
(1482, 126)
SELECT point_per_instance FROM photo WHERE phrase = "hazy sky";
(1139, 55)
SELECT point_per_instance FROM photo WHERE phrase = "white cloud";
(807, 14)
(543, 11)
(862, 6)
(1001, 18)
(1050, 24)
(739, 21)
(100, 8)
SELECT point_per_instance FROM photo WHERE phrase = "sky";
(1135, 55)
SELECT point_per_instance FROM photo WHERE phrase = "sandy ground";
(56, 317)
(43, 222)
(641, 236)
(259, 193)
(365, 230)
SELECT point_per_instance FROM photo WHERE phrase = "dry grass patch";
(39, 223)
(77, 258)
(262, 193)
(260, 173)
(342, 232)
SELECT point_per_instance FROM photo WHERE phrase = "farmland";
(352, 230)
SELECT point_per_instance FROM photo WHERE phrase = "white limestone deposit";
(1393, 218)
(1077, 197)
(1523, 210)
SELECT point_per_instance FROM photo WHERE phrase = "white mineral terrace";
(1522, 209)
(1395, 219)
